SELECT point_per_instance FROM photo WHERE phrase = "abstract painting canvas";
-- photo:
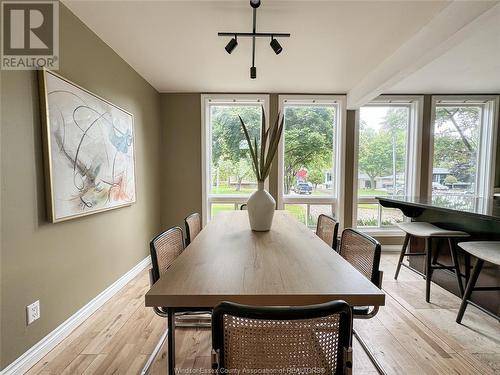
(89, 150)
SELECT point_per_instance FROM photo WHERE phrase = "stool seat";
(485, 250)
(422, 229)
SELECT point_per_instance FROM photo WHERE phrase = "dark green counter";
(477, 216)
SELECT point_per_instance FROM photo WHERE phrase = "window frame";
(415, 103)
(487, 150)
(339, 168)
(208, 100)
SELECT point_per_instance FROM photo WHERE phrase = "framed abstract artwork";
(88, 150)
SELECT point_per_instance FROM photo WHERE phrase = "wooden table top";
(287, 266)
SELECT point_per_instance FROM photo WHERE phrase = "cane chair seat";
(165, 248)
(363, 252)
(193, 227)
(485, 250)
(273, 339)
(426, 230)
(327, 229)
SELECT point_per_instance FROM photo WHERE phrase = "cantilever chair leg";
(153, 355)
(368, 352)
(199, 319)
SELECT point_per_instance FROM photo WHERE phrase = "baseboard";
(45, 345)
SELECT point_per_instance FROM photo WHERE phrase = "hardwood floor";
(408, 336)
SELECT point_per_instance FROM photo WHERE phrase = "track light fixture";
(255, 3)
(275, 45)
(231, 45)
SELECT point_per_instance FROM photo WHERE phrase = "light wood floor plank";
(408, 336)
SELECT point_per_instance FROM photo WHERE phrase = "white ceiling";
(471, 67)
(334, 44)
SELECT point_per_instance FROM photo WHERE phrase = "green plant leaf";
(262, 140)
(252, 152)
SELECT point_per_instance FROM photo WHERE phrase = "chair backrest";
(327, 229)
(279, 338)
(165, 248)
(363, 252)
(244, 207)
(193, 226)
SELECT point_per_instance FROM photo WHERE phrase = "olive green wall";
(181, 157)
(67, 264)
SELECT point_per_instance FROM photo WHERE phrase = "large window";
(387, 162)
(310, 156)
(463, 144)
(227, 170)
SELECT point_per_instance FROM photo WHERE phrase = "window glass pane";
(297, 210)
(456, 140)
(308, 162)
(383, 135)
(315, 210)
(391, 216)
(368, 214)
(382, 156)
(216, 208)
(231, 169)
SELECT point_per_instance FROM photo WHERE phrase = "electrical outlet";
(32, 312)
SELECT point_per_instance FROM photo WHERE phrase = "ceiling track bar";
(256, 35)
(275, 45)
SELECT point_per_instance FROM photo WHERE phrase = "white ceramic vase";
(261, 206)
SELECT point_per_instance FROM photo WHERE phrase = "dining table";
(286, 266)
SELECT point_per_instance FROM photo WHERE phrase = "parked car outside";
(304, 188)
(438, 186)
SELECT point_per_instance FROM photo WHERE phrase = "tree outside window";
(456, 140)
(308, 150)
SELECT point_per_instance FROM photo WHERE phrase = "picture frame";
(89, 150)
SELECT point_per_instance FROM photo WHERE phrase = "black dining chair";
(164, 249)
(275, 339)
(192, 224)
(363, 252)
(327, 229)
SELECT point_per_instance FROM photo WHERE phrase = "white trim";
(28, 359)
(391, 248)
(456, 22)
(485, 178)
(415, 103)
(340, 152)
(206, 145)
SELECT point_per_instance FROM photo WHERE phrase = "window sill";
(383, 232)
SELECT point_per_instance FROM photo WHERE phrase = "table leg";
(171, 341)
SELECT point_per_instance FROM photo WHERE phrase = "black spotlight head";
(276, 46)
(255, 3)
(231, 45)
(253, 72)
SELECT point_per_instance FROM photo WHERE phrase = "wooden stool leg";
(428, 268)
(454, 258)
(467, 266)
(469, 289)
(401, 256)
(435, 255)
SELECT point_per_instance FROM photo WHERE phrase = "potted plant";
(261, 204)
